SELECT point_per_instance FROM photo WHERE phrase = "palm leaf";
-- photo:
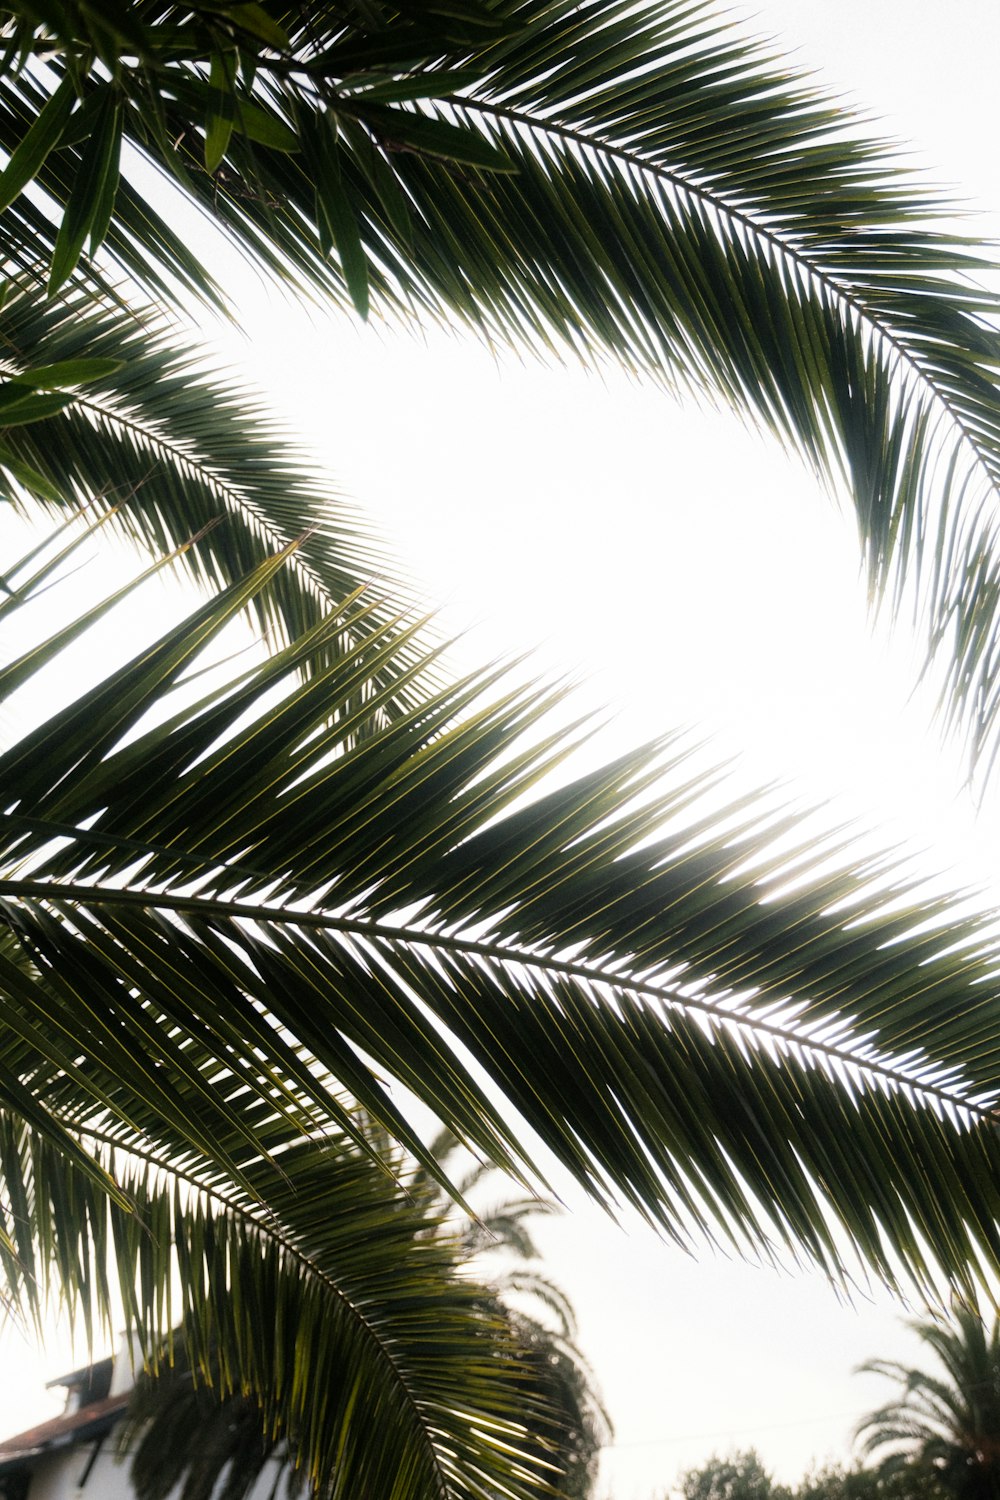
(655, 188)
(230, 911)
(187, 464)
(184, 1433)
(342, 1312)
(172, 454)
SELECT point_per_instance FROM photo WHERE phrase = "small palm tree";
(946, 1424)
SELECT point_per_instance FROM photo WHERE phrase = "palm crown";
(944, 1421)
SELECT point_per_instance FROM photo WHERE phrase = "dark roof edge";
(90, 1421)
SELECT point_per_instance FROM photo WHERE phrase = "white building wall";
(59, 1475)
(92, 1470)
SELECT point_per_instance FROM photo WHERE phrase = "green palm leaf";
(176, 456)
(224, 914)
(343, 1310)
(525, 1378)
(651, 186)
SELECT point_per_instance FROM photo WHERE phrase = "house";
(71, 1454)
(75, 1456)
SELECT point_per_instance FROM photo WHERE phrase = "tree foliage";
(236, 910)
(183, 1435)
(908, 1482)
(361, 899)
(648, 186)
(944, 1421)
(740, 1476)
(743, 1476)
(232, 916)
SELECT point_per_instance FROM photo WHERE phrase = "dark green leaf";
(262, 126)
(338, 226)
(254, 19)
(68, 372)
(402, 130)
(433, 84)
(222, 114)
(19, 406)
(91, 202)
(42, 137)
(28, 477)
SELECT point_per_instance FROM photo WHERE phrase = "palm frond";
(650, 186)
(184, 462)
(361, 1342)
(183, 1432)
(231, 911)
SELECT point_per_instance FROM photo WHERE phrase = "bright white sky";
(688, 574)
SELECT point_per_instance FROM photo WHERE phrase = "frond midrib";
(266, 1226)
(784, 244)
(898, 1076)
(208, 474)
(180, 455)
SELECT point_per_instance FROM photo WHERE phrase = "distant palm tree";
(947, 1424)
(567, 1418)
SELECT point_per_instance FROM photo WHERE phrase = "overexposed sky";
(686, 573)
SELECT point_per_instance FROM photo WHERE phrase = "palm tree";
(947, 1425)
(226, 908)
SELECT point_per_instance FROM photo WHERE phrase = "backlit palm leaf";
(180, 1433)
(176, 458)
(642, 184)
(230, 910)
(339, 1306)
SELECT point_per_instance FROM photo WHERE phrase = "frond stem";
(784, 246)
(382, 932)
